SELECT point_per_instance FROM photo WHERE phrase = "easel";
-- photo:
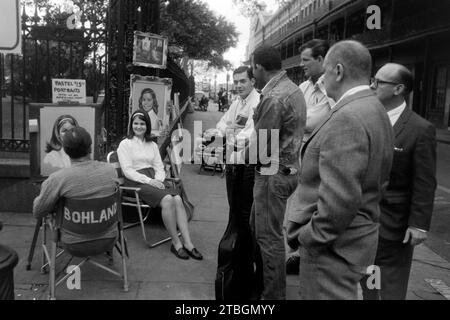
(35, 159)
(37, 229)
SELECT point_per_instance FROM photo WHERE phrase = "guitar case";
(239, 273)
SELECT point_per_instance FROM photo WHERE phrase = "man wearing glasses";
(407, 204)
(345, 168)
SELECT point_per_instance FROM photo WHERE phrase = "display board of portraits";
(152, 94)
(54, 121)
(149, 50)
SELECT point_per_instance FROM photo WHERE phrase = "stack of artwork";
(151, 94)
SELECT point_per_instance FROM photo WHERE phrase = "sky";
(232, 14)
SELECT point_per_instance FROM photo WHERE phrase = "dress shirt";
(239, 108)
(350, 92)
(135, 154)
(318, 104)
(395, 113)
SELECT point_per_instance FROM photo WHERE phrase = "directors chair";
(84, 228)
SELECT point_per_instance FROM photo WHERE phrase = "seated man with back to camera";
(84, 179)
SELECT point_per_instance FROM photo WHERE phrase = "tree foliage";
(202, 35)
(249, 8)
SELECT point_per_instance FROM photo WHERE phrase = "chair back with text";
(84, 228)
(91, 223)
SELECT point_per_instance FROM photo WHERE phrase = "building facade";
(415, 33)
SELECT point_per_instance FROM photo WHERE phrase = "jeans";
(270, 194)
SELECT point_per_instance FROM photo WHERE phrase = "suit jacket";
(345, 167)
(409, 197)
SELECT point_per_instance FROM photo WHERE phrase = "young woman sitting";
(143, 168)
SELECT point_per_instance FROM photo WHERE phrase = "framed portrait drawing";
(149, 50)
(54, 121)
(152, 94)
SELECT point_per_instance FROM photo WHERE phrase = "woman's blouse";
(55, 160)
(154, 120)
(135, 154)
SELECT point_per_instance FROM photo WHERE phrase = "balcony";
(422, 22)
(410, 26)
(372, 37)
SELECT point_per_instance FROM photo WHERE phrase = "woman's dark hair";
(55, 140)
(155, 102)
(142, 115)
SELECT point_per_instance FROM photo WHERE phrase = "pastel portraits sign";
(151, 94)
(149, 50)
(68, 90)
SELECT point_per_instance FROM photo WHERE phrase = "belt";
(286, 171)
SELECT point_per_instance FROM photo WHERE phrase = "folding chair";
(212, 158)
(87, 220)
(130, 198)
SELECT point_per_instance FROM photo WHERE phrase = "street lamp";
(228, 79)
(215, 86)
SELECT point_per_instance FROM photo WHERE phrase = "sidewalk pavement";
(156, 274)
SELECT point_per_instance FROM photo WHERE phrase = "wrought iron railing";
(55, 44)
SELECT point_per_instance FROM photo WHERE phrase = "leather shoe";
(194, 254)
(180, 253)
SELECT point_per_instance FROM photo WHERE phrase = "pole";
(215, 86)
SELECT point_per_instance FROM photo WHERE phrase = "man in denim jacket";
(279, 123)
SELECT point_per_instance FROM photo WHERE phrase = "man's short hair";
(268, 57)
(406, 78)
(355, 58)
(77, 142)
(318, 47)
(243, 69)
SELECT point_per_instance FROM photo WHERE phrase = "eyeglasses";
(374, 82)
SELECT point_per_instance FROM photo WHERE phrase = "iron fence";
(56, 43)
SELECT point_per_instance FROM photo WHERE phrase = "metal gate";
(58, 41)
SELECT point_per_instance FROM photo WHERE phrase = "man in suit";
(407, 205)
(345, 167)
(318, 104)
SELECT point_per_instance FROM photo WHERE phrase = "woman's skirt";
(149, 194)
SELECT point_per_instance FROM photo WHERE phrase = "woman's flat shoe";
(194, 254)
(180, 253)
